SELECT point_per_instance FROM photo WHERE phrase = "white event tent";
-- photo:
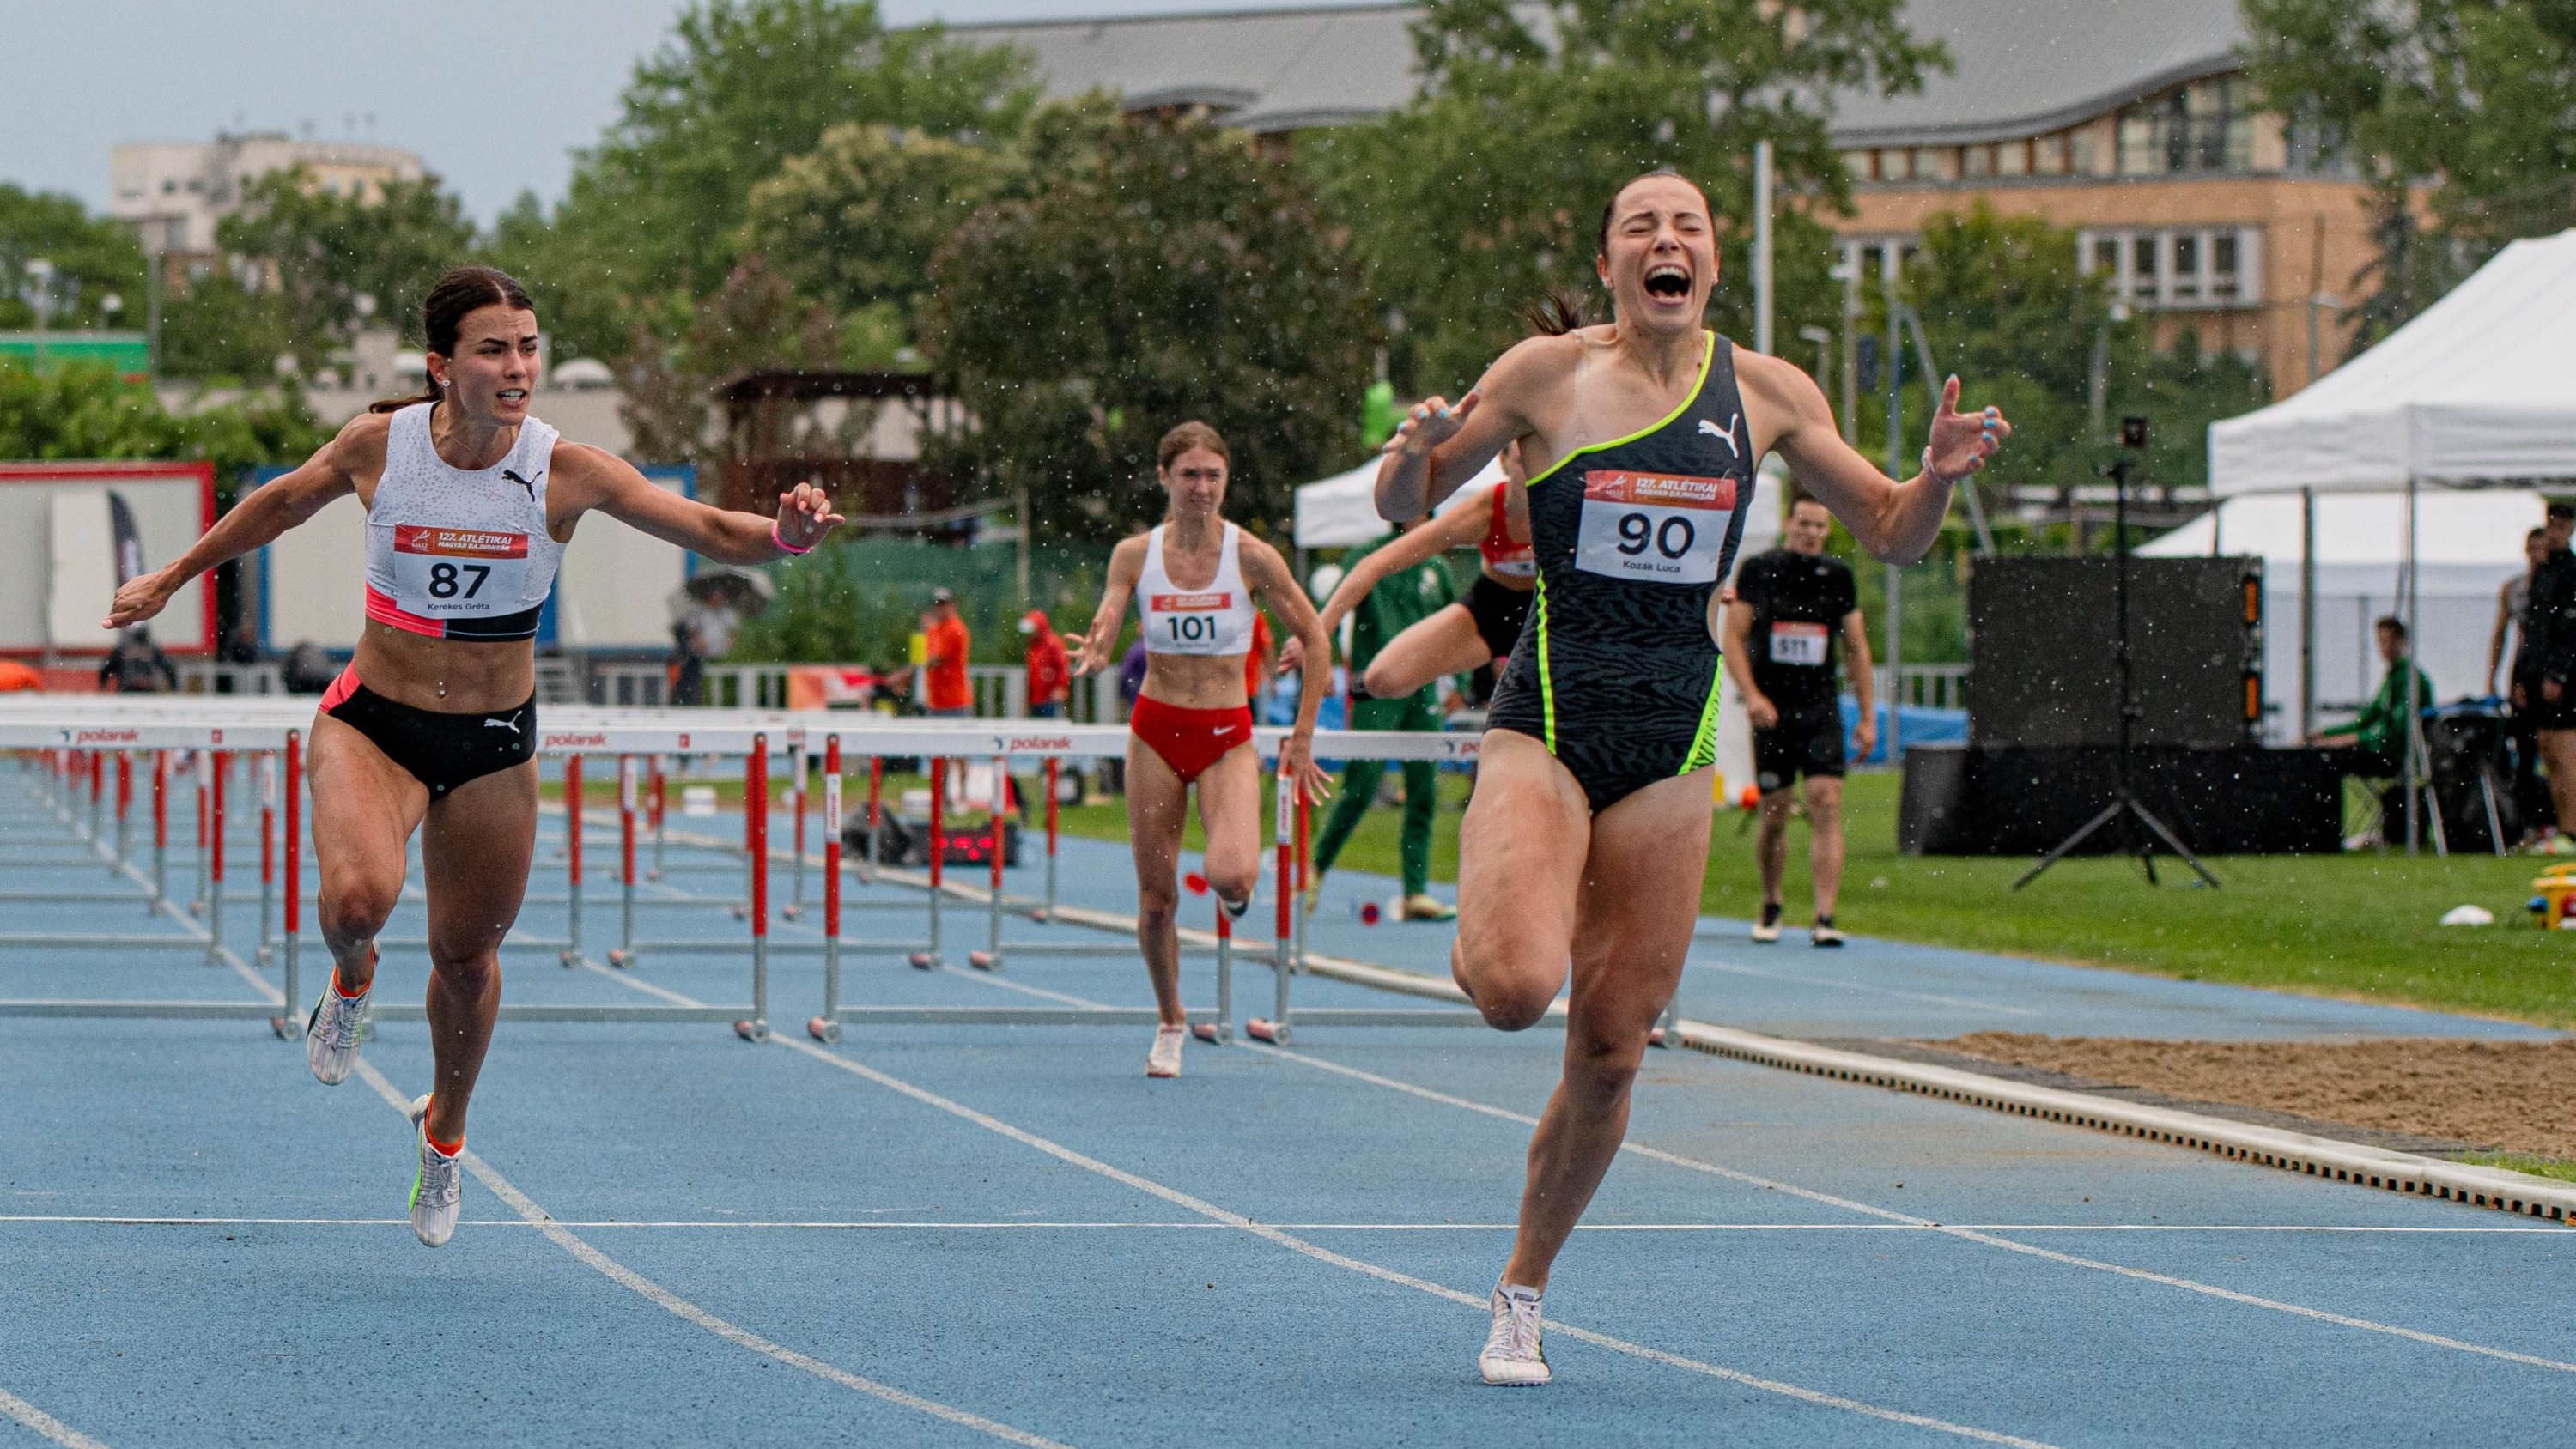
(2478, 391)
(2467, 546)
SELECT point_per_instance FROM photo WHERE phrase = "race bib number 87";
(1652, 527)
(445, 573)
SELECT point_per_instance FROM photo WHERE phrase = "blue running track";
(959, 1236)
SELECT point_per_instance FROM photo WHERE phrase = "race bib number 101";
(1652, 527)
(459, 572)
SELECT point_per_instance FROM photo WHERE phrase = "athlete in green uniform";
(1585, 849)
(1380, 605)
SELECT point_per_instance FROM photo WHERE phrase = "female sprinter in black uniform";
(1587, 841)
(1194, 578)
(469, 504)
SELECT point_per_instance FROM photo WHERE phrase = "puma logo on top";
(1725, 434)
(502, 724)
(531, 486)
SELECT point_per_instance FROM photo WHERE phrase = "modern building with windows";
(2131, 124)
(175, 192)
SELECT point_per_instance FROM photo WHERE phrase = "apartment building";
(2131, 124)
(175, 192)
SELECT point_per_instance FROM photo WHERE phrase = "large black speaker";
(1990, 800)
(2040, 637)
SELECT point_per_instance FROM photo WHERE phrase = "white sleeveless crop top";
(1216, 620)
(455, 553)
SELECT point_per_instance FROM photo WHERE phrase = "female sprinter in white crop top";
(469, 504)
(1193, 578)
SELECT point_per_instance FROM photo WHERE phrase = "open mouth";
(513, 394)
(1667, 282)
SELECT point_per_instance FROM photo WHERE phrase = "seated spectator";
(137, 666)
(2373, 746)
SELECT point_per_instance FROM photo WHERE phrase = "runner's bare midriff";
(1192, 681)
(479, 676)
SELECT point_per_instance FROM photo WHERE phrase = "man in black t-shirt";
(1791, 606)
(2544, 667)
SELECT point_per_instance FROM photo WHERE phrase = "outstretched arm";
(1459, 528)
(266, 512)
(1440, 445)
(1097, 648)
(600, 479)
(1895, 522)
(1269, 576)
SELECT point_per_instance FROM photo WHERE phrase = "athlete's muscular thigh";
(1520, 861)
(365, 808)
(1158, 811)
(476, 847)
(1640, 901)
(1230, 818)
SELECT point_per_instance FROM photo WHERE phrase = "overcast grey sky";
(494, 94)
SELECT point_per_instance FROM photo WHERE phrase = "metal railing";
(1924, 686)
(1001, 690)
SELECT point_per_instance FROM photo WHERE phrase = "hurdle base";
(824, 1030)
(1013, 1016)
(922, 961)
(752, 1031)
(1263, 1029)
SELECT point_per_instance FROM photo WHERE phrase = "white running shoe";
(439, 1189)
(1165, 1059)
(1512, 1357)
(1768, 927)
(334, 1031)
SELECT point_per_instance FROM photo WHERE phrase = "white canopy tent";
(1341, 511)
(2468, 545)
(2478, 391)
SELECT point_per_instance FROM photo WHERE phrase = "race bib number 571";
(1653, 528)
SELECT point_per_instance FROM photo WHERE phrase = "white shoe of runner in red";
(1165, 1059)
(1512, 1357)
(439, 1189)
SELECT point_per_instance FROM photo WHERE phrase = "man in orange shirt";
(948, 693)
(1050, 672)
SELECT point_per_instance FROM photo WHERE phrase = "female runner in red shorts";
(470, 501)
(1194, 578)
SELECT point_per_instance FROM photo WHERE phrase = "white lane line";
(1295, 1244)
(1955, 1230)
(1961, 1001)
(664, 1298)
(1200, 1225)
(45, 1424)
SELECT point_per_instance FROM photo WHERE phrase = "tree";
(336, 259)
(1181, 274)
(754, 321)
(1483, 194)
(85, 412)
(2465, 108)
(854, 224)
(90, 261)
(741, 86)
(216, 328)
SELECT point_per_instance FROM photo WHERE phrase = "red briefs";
(1190, 740)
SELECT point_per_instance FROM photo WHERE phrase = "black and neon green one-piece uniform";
(1616, 670)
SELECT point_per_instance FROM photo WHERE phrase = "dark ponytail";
(1557, 313)
(444, 310)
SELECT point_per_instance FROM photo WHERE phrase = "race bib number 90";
(1795, 643)
(1652, 527)
(446, 573)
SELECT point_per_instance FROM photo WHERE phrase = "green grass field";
(2360, 926)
